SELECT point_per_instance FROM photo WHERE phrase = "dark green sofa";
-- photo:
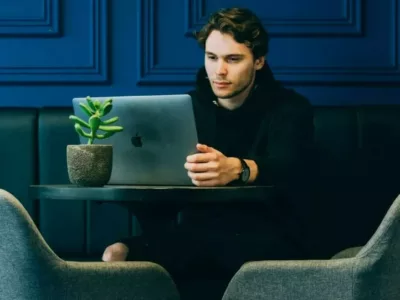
(358, 155)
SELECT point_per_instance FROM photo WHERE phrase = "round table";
(154, 206)
(133, 193)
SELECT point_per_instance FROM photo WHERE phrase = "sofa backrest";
(18, 152)
(358, 154)
(358, 150)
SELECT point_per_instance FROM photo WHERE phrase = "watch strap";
(245, 167)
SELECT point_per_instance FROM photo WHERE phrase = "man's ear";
(259, 62)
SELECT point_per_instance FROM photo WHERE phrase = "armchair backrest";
(25, 257)
(378, 263)
(19, 235)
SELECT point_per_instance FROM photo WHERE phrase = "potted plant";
(91, 164)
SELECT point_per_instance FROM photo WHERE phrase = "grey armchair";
(29, 269)
(371, 272)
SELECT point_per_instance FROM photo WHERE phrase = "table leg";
(154, 219)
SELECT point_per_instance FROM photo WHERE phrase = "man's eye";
(233, 59)
(211, 57)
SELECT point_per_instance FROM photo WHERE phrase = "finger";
(201, 167)
(203, 176)
(206, 149)
(201, 147)
(201, 157)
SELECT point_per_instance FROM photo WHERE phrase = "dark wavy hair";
(242, 24)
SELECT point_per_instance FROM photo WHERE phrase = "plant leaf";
(94, 123)
(86, 109)
(105, 109)
(80, 131)
(109, 121)
(108, 101)
(79, 121)
(90, 103)
(97, 104)
(105, 135)
(111, 128)
(103, 105)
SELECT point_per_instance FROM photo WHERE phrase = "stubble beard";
(236, 92)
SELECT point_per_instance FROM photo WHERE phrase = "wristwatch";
(245, 173)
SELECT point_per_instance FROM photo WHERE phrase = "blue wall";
(336, 52)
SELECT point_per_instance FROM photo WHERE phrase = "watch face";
(245, 174)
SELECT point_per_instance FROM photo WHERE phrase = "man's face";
(229, 65)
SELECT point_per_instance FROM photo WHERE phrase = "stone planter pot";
(89, 165)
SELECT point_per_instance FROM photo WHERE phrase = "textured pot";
(89, 165)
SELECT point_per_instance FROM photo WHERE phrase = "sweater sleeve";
(286, 143)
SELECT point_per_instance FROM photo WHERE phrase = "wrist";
(253, 170)
(240, 170)
(236, 167)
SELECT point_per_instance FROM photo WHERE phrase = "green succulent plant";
(95, 110)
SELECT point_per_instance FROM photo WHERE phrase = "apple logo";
(137, 141)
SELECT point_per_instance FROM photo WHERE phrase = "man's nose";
(221, 68)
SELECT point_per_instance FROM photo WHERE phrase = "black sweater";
(274, 127)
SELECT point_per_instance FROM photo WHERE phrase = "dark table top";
(132, 193)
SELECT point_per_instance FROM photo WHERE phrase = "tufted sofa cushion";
(19, 153)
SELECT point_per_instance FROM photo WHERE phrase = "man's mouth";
(221, 84)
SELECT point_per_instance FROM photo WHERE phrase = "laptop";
(159, 133)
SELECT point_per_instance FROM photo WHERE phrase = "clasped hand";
(211, 168)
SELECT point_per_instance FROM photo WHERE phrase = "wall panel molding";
(350, 23)
(148, 73)
(94, 71)
(48, 24)
(152, 74)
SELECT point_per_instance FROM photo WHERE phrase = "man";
(251, 130)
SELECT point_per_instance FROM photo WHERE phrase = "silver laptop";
(159, 133)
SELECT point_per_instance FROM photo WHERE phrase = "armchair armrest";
(117, 280)
(300, 280)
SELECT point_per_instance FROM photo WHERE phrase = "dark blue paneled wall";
(334, 51)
